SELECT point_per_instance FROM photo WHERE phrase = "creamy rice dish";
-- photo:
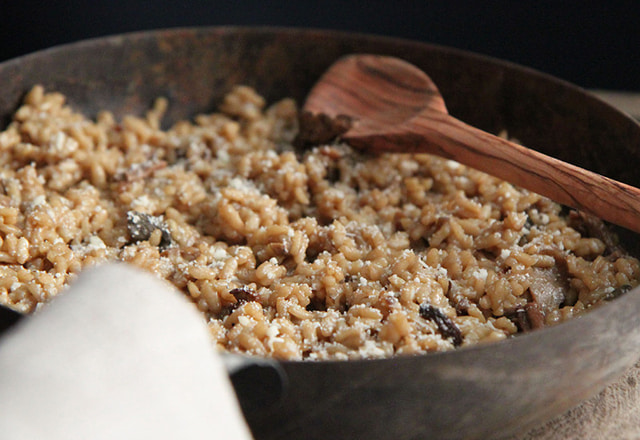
(311, 253)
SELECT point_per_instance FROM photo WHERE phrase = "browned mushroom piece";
(141, 226)
(319, 129)
(591, 226)
(548, 289)
(447, 328)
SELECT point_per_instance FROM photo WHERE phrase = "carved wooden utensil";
(396, 107)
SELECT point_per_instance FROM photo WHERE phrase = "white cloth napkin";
(120, 355)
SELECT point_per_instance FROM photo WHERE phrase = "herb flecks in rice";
(318, 253)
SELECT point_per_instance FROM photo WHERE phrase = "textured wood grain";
(397, 108)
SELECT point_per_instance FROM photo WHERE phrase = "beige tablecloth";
(613, 414)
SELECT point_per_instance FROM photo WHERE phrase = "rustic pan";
(482, 392)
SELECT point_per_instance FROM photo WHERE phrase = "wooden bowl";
(476, 393)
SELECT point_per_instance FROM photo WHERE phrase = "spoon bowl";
(377, 91)
(395, 107)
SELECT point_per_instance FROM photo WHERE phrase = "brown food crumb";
(319, 129)
(462, 307)
(446, 326)
(528, 317)
(141, 226)
(243, 294)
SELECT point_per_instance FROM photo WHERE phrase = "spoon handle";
(443, 135)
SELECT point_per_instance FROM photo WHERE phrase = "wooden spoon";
(395, 107)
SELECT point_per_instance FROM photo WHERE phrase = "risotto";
(297, 253)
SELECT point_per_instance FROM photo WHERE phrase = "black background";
(593, 44)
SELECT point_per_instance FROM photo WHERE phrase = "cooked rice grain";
(314, 254)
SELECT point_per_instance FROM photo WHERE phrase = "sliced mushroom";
(548, 289)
